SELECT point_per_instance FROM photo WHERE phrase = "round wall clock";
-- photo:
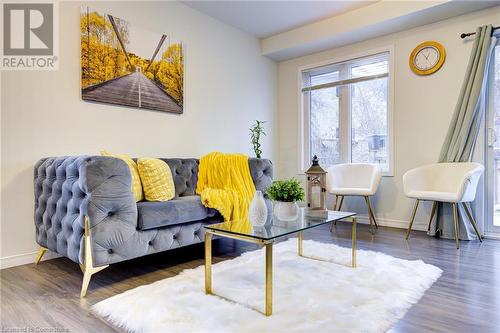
(427, 58)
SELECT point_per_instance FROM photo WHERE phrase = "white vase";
(258, 210)
(286, 211)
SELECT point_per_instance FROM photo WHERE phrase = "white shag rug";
(308, 295)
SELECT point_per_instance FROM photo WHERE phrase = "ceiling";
(266, 18)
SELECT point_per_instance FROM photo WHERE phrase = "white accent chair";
(354, 179)
(454, 183)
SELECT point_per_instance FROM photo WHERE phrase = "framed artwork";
(125, 65)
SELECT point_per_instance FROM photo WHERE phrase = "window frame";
(344, 117)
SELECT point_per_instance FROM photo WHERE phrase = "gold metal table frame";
(268, 244)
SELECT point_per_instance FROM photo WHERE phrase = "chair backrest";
(461, 178)
(353, 175)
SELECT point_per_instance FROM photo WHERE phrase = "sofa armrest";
(69, 188)
(111, 209)
(261, 170)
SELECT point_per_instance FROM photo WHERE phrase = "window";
(493, 146)
(346, 112)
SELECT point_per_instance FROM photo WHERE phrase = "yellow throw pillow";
(156, 178)
(134, 172)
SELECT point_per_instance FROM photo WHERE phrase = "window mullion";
(344, 122)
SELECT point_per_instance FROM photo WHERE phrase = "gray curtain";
(464, 127)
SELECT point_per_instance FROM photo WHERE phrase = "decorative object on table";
(286, 193)
(256, 131)
(125, 65)
(316, 189)
(257, 213)
(427, 58)
(454, 183)
(354, 179)
(374, 306)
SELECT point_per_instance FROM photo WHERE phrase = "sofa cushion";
(156, 178)
(134, 173)
(176, 211)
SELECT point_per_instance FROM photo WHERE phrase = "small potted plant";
(286, 193)
(256, 132)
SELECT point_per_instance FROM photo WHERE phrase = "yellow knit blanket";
(225, 184)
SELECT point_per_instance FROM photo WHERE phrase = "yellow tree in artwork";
(171, 72)
(101, 56)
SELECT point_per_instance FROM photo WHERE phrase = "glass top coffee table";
(266, 236)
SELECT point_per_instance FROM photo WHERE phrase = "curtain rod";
(463, 35)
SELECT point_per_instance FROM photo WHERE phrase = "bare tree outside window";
(325, 125)
(349, 97)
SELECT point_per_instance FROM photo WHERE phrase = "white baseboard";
(417, 225)
(492, 236)
(23, 259)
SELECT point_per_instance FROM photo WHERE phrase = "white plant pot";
(286, 211)
(258, 210)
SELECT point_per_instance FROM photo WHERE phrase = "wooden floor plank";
(465, 299)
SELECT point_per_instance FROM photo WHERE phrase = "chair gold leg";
(433, 211)
(87, 267)
(334, 208)
(39, 256)
(370, 211)
(472, 221)
(455, 224)
(341, 202)
(340, 207)
(412, 219)
(369, 215)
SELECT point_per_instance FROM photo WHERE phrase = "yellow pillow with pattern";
(134, 172)
(156, 178)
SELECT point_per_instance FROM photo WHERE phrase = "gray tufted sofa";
(84, 210)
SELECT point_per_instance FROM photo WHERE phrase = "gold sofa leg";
(412, 219)
(87, 267)
(39, 256)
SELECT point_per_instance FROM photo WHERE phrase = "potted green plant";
(286, 193)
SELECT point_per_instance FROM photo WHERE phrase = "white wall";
(423, 107)
(228, 84)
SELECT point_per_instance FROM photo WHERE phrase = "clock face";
(426, 58)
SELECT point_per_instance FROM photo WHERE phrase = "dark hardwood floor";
(465, 299)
